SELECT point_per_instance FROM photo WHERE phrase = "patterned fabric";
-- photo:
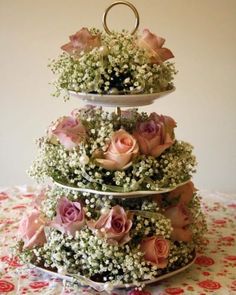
(214, 271)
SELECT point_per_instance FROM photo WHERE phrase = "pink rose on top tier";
(122, 149)
(70, 216)
(155, 135)
(181, 218)
(69, 131)
(153, 44)
(114, 225)
(83, 40)
(184, 193)
(156, 250)
(31, 229)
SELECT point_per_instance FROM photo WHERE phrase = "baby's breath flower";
(118, 64)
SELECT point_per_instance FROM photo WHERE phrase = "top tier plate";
(130, 100)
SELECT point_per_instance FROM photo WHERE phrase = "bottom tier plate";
(83, 281)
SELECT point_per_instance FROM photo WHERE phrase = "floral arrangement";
(117, 63)
(118, 151)
(111, 240)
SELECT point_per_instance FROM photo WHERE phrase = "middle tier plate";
(133, 194)
(126, 100)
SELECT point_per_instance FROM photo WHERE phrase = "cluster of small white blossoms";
(180, 254)
(117, 66)
(91, 256)
(88, 255)
(94, 258)
(174, 166)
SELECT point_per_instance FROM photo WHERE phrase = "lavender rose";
(156, 250)
(70, 216)
(114, 225)
(31, 230)
(155, 135)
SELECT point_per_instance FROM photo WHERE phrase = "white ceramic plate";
(133, 194)
(130, 100)
(83, 281)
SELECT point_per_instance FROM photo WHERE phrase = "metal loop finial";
(104, 19)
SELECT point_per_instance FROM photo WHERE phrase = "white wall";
(201, 33)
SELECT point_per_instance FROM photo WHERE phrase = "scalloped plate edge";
(132, 194)
(83, 281)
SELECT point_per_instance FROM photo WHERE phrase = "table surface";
(214, 271)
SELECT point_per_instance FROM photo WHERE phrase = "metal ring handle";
(104, 19)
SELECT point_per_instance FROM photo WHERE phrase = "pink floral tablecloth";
(214, 271)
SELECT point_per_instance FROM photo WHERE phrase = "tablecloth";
(214, 270)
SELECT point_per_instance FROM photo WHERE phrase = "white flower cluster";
(176, 165)
(117, 66)
(91, 256)
(78, 166)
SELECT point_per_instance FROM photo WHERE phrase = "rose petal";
(179, 215)
(156, 250)
(157, 151)
(68, 47)
(82, 40)
(113, 225)
(161, 55)
(181, 234)
(31, 229)
(153, 44)
(66, 141)
(70, 216)
(184, 192)
(38, 238)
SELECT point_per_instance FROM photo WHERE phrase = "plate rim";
(121, 99)
(121, 95)
(132, 194)
(105, 286)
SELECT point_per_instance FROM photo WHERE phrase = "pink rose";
(70, 216)
(114, 225)
(69, 131)
(122, 149)
(156, 250)
(31, 230)
(184, 193)
(83, 40)
(153, 44)
(180, 217)
(155, 135)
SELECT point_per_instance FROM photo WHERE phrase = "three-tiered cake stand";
(119, 99)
